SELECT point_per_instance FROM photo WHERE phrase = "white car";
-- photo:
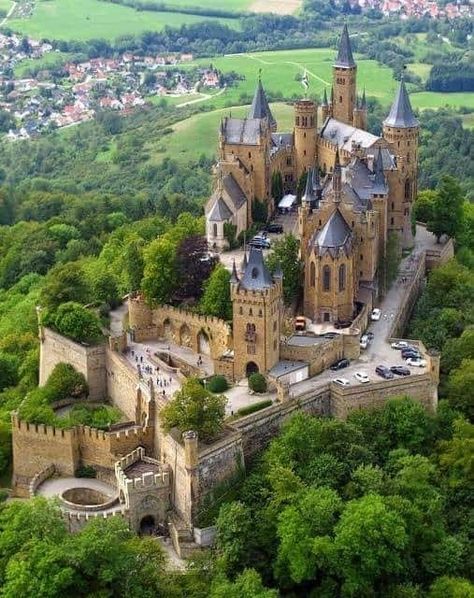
(416, 363)
(399, 345)
(342, 381)
(361, 377)
(364, 341)
(376, 313)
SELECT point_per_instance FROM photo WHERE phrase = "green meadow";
(236, 5)
(87, 19)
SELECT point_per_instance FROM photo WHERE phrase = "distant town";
(62, 96)
(416, 9)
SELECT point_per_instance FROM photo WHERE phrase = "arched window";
(342, 277)
(215, 229)
(312, 274)
(326, 278)
(340, 99)
(251, 328)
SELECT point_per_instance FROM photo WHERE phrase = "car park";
(416, 363)
(375, 315)
(361, 377)
(384, 372)
(342, 381)
(400, 370)
(340, 364)
(274, 228)
(399, 345)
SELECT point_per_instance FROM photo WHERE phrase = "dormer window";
(254, 272)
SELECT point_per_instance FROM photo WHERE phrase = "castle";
(359, 187)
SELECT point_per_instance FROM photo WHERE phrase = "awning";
(287, 201)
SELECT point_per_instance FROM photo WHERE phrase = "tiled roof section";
(343, 135)
(336, 234)
(309, 195)
(282, 139)
(219, 211)
(234, 191)
(256, 275)
(344, 55)
(245, 131)
(260, 107)
(401, 114)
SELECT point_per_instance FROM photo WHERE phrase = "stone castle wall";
(202, 334)
(88, 360)
(122, 383)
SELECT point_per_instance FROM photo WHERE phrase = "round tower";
(305, 135)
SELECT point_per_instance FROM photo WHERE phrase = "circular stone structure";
(87, 499)
(80, 494)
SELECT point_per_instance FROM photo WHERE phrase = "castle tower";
(330, 281)
(401, 130)
(360, 113)
(344, 81)
(337, 178)
(260, 107)
(257, 309)
(305, 135)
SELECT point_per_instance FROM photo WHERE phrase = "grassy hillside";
(88, 19)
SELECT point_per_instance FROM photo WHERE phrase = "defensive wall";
(88, 360)
(202, 334)
(37, 447)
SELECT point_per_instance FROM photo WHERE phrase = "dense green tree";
(424, 205)
(216, 299)
(447, 213)
(8, 370)
(286, 255)
(457, 349)
(247, 585)
(451, 587)
(459, 388)
(194, 408)
(64, 283)
(134, 264)
(76, 322)
(159, 276)
(193, 265)
(234, 536)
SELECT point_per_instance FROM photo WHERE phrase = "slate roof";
(256, 275)
(309, 194)
(282, 139)
(401, 114)
(245, 131)
(344, 55)
(219, 211)
(234, 191)
(343, 135)
(260, 107)
(336, 234)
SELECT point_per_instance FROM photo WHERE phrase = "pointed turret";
(401, 114)
(337, 178)
(234, 279)
(344, 55)
(309, 196)
(363, 103)
(244, 261)
(260, 108)
(378, 169)
(256, 275)
(325, 98)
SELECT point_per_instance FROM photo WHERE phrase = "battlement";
(148, 480)
(75, 520)
(28, 428)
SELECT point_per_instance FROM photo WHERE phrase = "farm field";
(47, 61)
(277, 6)
(437, 99)
(87, 19)
(5, 5)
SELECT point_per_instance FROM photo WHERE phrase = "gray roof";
(234, 191)
(286, 367)
(219, 211)
(260, 107)
(334, 235)
(401, 114)
(309, 194)
(365, 182)
(344, 54)
(343, 135)
(256, 275)
(245, 131)
(282, 139)
(379, 176)
(325, 98)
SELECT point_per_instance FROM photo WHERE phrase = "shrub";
(255, 407)
(76, 322)
(65, 382)
(257, 383)
(86, 471)
(217, 384)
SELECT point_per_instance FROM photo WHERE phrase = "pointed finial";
(364, 101)
(259, 74)
(234, 278)
(325, 98)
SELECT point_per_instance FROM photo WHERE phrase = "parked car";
(416, 363)
(384, 372)
(274, 228)
(410, 354)
(400, 370)
(364, 341)
(361, 377)
(300, 323)
(342, 381)
(340, 364)
(375, 315)
(342, 324)
(260, 243)
(370, 336)
(399, 345)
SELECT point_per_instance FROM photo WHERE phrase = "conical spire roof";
(344, 56)
(401, 114)
(378, 170)
(316, 180)
(325, 98)
(256, 275)
(234, 278)
(363, 103)
(260, 108)
(309, 195)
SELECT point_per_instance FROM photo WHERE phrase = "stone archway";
(251, 368)
(204, 346)
(185, 336)
(147, 525)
